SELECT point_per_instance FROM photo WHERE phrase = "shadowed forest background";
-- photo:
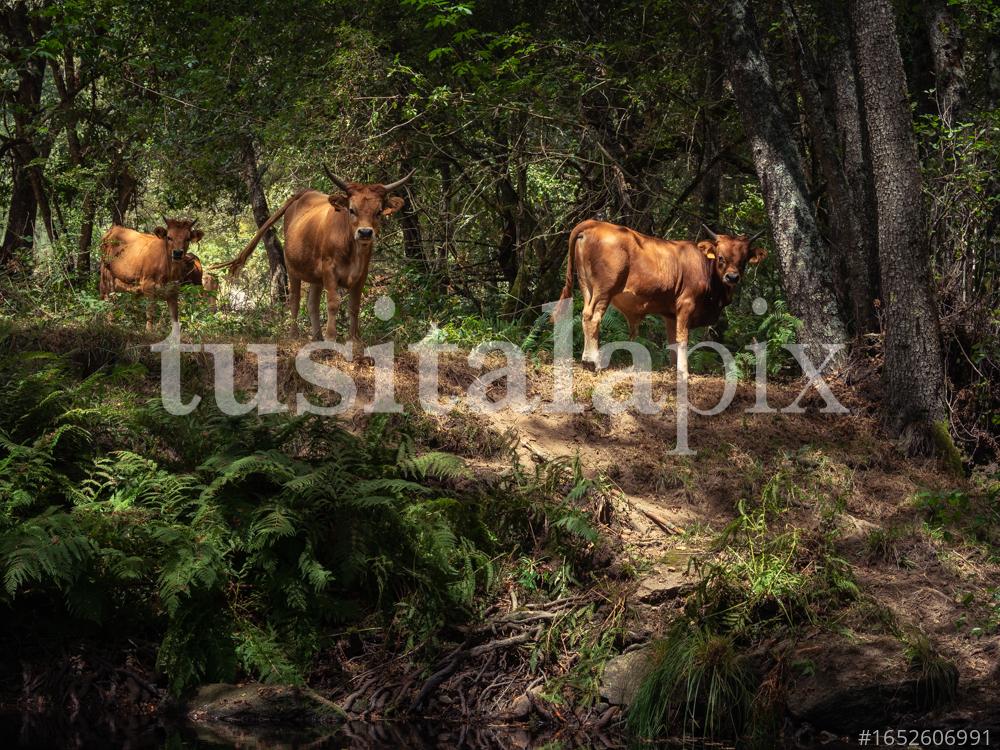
(143, 555)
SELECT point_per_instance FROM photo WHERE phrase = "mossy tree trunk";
(802, 255)
(913, 371)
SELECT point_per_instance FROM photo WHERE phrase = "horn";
(398, 183)
(193, 222)
(165, 222)
(711, 234)
(756, 235)
(334, 179)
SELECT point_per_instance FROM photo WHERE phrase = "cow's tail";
(106, 284)
(565, 303)
(236, 264)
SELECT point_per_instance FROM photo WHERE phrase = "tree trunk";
(124, 187)
(913, 371)
(851, 147)
(67, 82)
(258, 204)
(852, 259)
(19, 238)
(802, 256)
(409, 221)
(22, 32)
(710, 189)
(947, 44)
(89, 209)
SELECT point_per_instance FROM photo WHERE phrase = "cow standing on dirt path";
(687, 284)
(153, 265)
(328, 244)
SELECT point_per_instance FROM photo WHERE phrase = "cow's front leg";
(312, 303)
(332, 308)
(354, 308)
(682, 345)
(175, 320)
(150, 313)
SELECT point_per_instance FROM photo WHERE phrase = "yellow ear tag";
(710, 256)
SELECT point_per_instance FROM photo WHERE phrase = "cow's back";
(130, 257)
(317, 236)
(641, 274)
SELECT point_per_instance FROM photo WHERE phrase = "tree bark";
(124, 186)
(261, 213)
(947, 45)
(89, 210)
(851, 147)
(802, 256)
(68, 84)
(710, 189)
(16, 26)
(19, 235)
(853, 253)
(409, 221)
(913, 371)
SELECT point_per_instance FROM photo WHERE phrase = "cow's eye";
(353, 212)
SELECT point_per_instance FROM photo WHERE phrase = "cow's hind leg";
(670, 325)
(633, 326)
(354, 309)
(593, 313)
(312, 303)
(294, 302)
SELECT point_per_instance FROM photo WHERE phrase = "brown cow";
(328, 244)
(153, 265)
(687, 284)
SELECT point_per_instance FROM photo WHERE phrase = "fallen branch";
(657, 519)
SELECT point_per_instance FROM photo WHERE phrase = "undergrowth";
(239, 545)
(766, 576)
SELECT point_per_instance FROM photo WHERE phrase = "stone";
(519, 708)
(663, 582)
(624, 674)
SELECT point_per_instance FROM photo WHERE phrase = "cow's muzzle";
(177, 255)
(731, 278)
(364, 233)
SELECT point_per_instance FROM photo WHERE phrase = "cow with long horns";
(328, 244)
(686, 283)
(153, 265)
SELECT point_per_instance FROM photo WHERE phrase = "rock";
(519, 708)
(661, 583)
(624, 674)
(852, 685)
(255, 705)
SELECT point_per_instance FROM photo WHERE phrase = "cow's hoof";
(317, 337)
(588, 365)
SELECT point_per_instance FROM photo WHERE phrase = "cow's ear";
(757, 255)
(161, 232)
(708, 248)
(392, 205)
(339, 200)
(196, 235)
